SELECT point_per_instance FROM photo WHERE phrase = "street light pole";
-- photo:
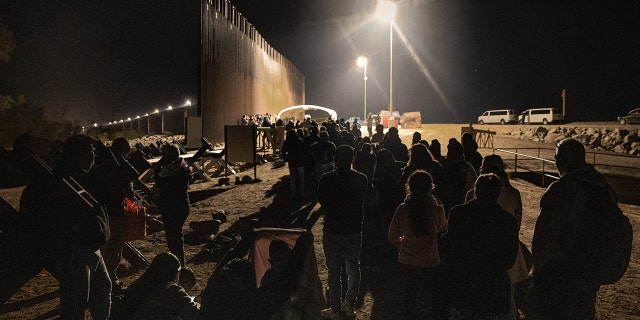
(386, 11)
(362, 62)
(390, 66)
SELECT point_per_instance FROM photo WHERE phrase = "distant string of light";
(186, 104)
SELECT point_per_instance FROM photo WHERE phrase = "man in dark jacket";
(172, 176)
(560, 292)
(341, 194)
(293, 153)
(479, 247)
(72, 231)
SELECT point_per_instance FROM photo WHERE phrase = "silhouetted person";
(560, 291)
(480, 246)
(417, 136)
(112, 250)
(436, 150)
(341, 194)
(421, 159)
(387, 194)
(72, 232)
(365, 161)
(324, 155)
(172, 176)
(470, 150)
(511, 202)
(459, 174)
(392, 142)
(379, 135)
(293, 153)
(157, 295)
(414, 230)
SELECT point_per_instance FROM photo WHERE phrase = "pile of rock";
(615, 140)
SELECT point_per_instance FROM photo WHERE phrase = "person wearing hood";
(511, 201)
(480, 246)
(470, 150)
(560, 292)
(172, 176)
(392, 142)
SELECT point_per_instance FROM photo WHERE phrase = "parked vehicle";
(498, 116)
(540, 115)
(632, 116)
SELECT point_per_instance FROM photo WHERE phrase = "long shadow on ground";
(284, 212)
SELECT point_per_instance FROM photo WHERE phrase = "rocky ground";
(267, 203)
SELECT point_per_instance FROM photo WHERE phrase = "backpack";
(603, 250)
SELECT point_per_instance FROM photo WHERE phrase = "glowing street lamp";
(386, 12)
(362, 62)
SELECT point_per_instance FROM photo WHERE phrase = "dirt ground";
(267, 203)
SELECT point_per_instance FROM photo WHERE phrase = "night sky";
(102, 61)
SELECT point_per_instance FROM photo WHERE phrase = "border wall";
(240, 72)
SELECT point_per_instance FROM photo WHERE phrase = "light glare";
(386, 11)
(361, 62)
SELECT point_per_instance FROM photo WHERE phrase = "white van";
(498, 116)
(540, 115)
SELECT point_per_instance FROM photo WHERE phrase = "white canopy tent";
(295, 110)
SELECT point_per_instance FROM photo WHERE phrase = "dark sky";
(101, 61)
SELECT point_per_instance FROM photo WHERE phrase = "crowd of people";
(449, 222)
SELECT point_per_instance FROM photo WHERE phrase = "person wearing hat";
(341, 194)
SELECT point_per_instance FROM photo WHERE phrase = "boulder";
(631, 137)
(619, 149)
(621, 132)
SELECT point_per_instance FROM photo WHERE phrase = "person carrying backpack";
(581, 239)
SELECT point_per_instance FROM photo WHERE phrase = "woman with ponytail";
(414, 230)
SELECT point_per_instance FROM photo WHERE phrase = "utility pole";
(564, 103)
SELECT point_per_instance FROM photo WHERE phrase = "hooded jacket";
(560, 219)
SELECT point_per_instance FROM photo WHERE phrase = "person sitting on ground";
(279, 253)
(156, 294)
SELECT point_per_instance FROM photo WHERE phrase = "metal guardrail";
(606, 160)
(545, 162)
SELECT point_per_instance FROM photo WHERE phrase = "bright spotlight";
(121, 121)
(128, 119)
(386, 11)
(137, 117)
(361, 62)
(157, 111)
(187, 103)
(95, 125)
(146, 114)
(170, 108)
